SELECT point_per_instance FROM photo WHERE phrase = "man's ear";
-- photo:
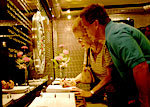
(96, 22)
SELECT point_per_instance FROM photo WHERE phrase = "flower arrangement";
(62, 58)
(24, 59)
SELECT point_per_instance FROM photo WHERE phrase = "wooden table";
(57, 96)
(54, 100)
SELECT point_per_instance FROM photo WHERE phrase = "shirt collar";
(108, 28)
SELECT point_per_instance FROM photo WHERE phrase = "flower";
(19, 54)
(65, 52)
(24, 59)
(58, 58)
(61, 45)
(62, 59)
(24, 47)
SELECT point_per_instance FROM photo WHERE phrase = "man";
(129, 49)
(102, 68)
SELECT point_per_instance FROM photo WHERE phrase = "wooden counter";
(22, 99)
(57, 96)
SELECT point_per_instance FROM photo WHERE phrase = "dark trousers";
(119, 98)
(117, 94)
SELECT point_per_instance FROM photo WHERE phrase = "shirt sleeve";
(127, 49)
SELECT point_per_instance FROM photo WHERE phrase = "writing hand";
(81, 93)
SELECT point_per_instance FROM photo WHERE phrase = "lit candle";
(4, 44)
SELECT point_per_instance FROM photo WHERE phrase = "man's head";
(95, 12)
(95, 18)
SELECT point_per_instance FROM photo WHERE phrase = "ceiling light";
(68, 11)
(69, 17)
(128, 18)
(147, 7)
(4, 44)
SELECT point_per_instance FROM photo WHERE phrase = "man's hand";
(66, 83)
(81, 93)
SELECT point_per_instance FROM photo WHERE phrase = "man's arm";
(140, 73)
(103, 82)
(77, 79)
(97, 88)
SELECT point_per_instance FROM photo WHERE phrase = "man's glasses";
(80, 39)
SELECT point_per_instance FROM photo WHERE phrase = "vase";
(26, 76)
(61, 74)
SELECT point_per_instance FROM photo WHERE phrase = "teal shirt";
(127, 46)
